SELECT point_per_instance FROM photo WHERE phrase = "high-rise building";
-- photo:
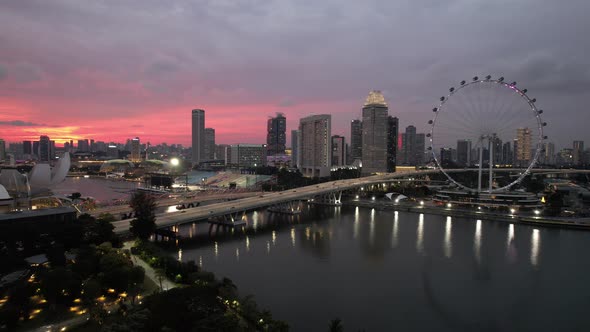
(392, 136)
(413, 146)
(578, 152)
(36, 149)
(92, 146)
(464, 152)
(523, 148)
(506, 154)
(28, 148)
(419, 149)
(446, 156)
(209, 152)
(221, 152)
(315, 145)
(338, 151)
(44, 149)
(112, 151)
(2, 150)
(276, 137)
(52, 150)
(294, 147)
(198, 135)
(83, 145)
(356, 140)
(135, 150)
(375, 123)
(246, 155)
(548, 154)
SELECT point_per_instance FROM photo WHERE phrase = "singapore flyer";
(484, 124)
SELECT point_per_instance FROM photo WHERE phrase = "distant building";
(578, 152)
(446, 156)
(112, 151)
(36, 149)
(209, 147)
(198, 135)
(83, 145)
(413, 146)
(507, 154)
(276, 137)
(315, 145)
(392, 136)
(44, 149)
(135, 150)
(220, 152)
(246, 155)
(338, 151)
(523, 146)
(356, 140)
(464, 152)
(2, 150)
(548, 154)
(28, 148)
(374, 151)
(294, 147)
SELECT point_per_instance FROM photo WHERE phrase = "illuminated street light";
(174, 162)
(421, 203)
(449, 205)
(537, 212)
(512, 211)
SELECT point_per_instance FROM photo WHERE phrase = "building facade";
(198, 135)
(578, 152)
(356, 140)
(135, 150)
(392, 137)
(315, 145)
(338, 151)
(209, 146)
(246, 155)
(374, 139)
(464, 152)
(44, 149)
(276, 136)
(294, 147)
(523, 147)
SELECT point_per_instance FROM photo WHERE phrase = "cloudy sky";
(111, 70)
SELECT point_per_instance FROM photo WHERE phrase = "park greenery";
(144, 208)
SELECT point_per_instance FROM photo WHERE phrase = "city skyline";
(117, 80)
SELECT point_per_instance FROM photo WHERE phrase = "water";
(103, 190)
(384, 271)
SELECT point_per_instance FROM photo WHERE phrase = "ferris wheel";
(489, 121)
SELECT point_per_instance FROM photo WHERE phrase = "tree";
(144, 206)
(160, 275)
(336, 325)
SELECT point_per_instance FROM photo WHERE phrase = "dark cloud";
(20, 123)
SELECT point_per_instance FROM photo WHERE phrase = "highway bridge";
(233, 210)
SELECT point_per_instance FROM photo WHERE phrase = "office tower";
(276, 137)
(220, 152)
(463, 153)
(113, 151)
(392, 135)
(315, 145)
(446, 156)
(577, 152)
(135, 150)
(374, 147)
(294, 147)
(506, 154)
(101, 146)
(52, 150)
(2, 150)
(36, 149)
(408, 145)
(246, 155)
(83, 145)
(523, 148)
(548, 154)
(356, 140)
(419, 149)
(209, 146)
(92, 146)
(497, 150)
(28, 148)
(338, 151)
(44, 149)
(198, 132)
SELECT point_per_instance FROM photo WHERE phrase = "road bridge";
(234, 210)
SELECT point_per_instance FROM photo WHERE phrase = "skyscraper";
(392, 135)
(83, 145)
(44, 149)
(523, 148)
(338, 151)
(294, 147)
(578, 152)
(356, 140)
(276, 137)
(198, 135)
(135, 150)
(548, 154)
(464, 152)
(209, 152)
(28, 148)
(315, 145)
(408, 145)
(374, 141)
(506, 154)
(2, 150)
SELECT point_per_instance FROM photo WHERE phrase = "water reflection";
(395, 231)
(274, 238)
(420, 234)
(448, 245)
(255, 220)
(477, 241)
(180, 255)
(293, 237)
(238, 254)
(372, 228)
(268, 247)
(216, 250)
(355, 227)
(535, 242)
(247, 243)
(201, 261)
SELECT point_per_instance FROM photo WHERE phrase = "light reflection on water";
(402, 250)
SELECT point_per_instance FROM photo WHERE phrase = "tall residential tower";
(198, 124)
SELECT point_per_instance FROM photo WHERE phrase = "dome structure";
(116, 165)
(375, 98)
